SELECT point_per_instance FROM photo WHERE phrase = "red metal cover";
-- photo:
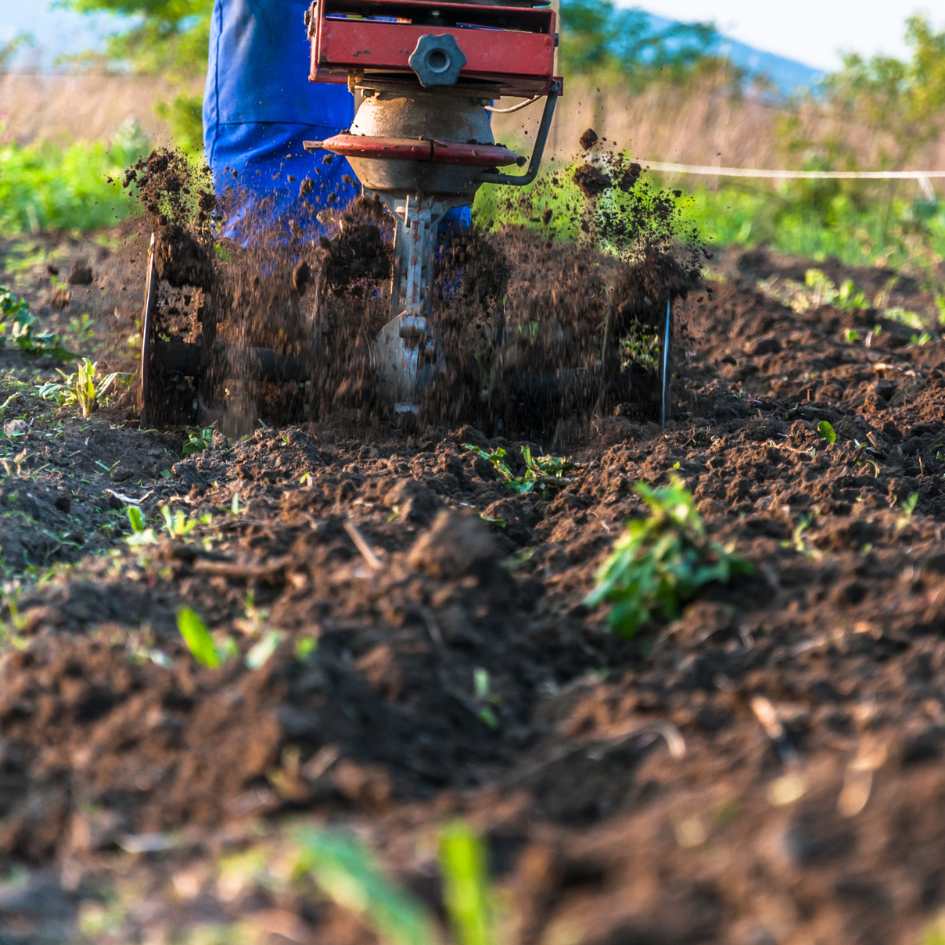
(513, 47)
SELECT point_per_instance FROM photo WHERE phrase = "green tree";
(11, 48)
(163, 37)
(599, 38)
(902, 100)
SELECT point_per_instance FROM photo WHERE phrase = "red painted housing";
(509, 47)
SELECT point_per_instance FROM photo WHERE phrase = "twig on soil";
(597, 751)
(773, 727)
(373, 562)
(129, 500)
(249, 571)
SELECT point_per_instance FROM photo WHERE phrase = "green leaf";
(827, 433)
(468, 893)
(136, 519)
(346, 872)
(198, 638)
(660, 562)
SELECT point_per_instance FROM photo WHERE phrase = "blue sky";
(812, 31)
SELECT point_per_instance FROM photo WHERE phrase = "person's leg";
(258, 109)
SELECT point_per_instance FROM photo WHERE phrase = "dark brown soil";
(766, 768)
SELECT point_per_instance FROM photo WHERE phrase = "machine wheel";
(170, 370)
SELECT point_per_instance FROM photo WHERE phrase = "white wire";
(706, 170)
(513, 108)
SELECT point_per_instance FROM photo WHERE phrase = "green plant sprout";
(469, 895)
(826, 432)
(197, 441)
(141, 533)
(179, 524)
(661, 562)
(823, 291)
(908, 507)
(485, 698)
(18, 329)
(542, 473)
(200, 642)
(84, 388)
(348, 874)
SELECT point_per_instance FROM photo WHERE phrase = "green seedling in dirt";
(823, 291)
(908, 508)
(305, 648)
(541, 473)
(19, 329)
(851, 336)
(200, 642)
(485, 698)
(661, 562)
(905, 317)
(84, 388)
(141, 533)
(798, 542)
(348, 874)
(197, 441)
(826, 432)
(179, 524)
(920, 340)
(82, 330)
(468, 891)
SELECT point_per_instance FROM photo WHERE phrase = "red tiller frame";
(509, 47)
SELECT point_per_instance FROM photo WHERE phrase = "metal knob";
(437, 60)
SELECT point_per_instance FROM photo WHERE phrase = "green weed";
(141, 532)
(908, 508)
(179, 524)
(826, 431)
(197, 441)
(661, 562)
(468, 890)
(541, 473)
(798, 540)
(200, 641)
(84, 388)
(82, 330)
(348, 874)
(19, 329)
(46, 187)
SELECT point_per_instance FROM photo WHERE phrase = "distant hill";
(788, 76)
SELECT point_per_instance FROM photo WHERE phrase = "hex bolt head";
(437, 60)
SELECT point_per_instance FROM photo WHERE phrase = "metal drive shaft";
(406, 353)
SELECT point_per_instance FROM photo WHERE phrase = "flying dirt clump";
(588, 139)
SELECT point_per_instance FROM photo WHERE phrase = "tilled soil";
(765, 769)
